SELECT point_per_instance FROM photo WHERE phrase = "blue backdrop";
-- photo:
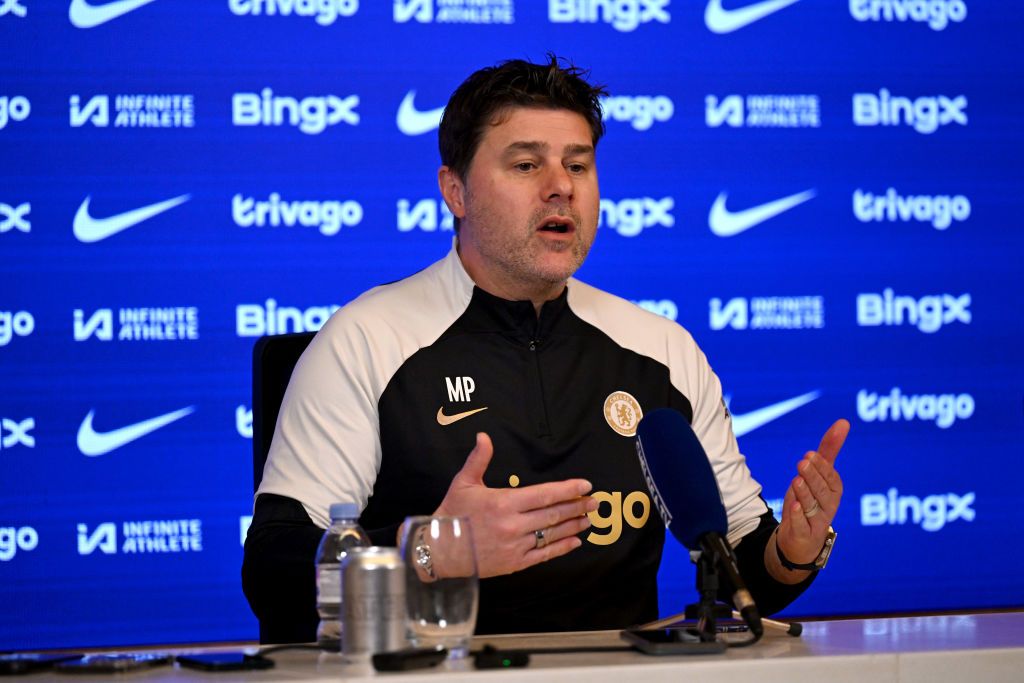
(827, 195)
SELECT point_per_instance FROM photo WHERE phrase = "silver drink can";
(373, 602)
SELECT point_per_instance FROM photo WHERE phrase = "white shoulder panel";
(326, 445)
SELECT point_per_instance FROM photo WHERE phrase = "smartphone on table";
(18, 663)
(670, 641)
(225, 661)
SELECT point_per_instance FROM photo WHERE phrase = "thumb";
(833, 440)
(477, 461)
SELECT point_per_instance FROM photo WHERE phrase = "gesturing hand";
(812, 499)
(506, 521)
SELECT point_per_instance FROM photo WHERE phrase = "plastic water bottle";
(343, 534)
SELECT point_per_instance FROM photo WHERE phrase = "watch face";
(826, 550)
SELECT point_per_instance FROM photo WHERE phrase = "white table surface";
(932, 649)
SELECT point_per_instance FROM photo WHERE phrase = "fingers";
(804, 502)
(820, 477)
(798, 522)
(476, 463)
(551, 550)
(552, 534)
(833, 440)
(549, 494)
(554, 515)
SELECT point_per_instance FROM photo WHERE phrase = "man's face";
(529, 203)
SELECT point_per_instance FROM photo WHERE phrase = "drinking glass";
(442, 588)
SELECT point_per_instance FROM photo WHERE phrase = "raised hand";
(516, 528)
(812, 500)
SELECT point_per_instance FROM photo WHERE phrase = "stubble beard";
(520, 254)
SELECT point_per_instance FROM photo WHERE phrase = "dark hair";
(515, 83)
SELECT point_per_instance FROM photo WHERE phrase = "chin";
(557, 273)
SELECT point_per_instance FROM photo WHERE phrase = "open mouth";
(559, 226)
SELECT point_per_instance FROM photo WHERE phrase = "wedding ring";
(814, 509)
(539, 535)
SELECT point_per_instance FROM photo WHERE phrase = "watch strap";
(819, 562)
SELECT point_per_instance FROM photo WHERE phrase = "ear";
(453, 190)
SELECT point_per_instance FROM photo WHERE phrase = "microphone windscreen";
(682, 484)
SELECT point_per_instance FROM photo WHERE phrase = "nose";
(558, 184)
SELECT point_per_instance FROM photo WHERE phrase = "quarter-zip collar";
(516, 319)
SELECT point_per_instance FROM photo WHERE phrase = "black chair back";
(273, 359)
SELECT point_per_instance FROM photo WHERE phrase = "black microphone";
(685, 493)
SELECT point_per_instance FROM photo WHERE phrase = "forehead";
(554, 127)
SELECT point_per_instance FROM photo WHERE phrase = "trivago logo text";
(936, 13)
(325, 12)
(942, 409)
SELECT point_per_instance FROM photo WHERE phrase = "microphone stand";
(702, 639)
(707, 588)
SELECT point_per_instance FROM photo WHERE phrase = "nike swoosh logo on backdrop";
(725, 223)
(84, 15)
(411, 121)
(721, 20)
(445, 420)
(89, 229)
(93, 443)
(748, 422)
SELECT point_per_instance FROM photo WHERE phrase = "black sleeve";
(278, 575)
(277, 571)
(769, 595)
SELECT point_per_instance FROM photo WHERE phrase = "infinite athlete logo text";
(762, 111)
(166, 323)
(134, 111)
(142, 537)
(454, 11)
(767, 313)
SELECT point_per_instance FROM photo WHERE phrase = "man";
(496, 351)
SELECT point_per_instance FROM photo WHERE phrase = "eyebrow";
(573, 149)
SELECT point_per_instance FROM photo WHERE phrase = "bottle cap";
(344, 511)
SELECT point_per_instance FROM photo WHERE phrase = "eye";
(577, 168)
(525, 166)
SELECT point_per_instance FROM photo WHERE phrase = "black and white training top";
(384, 406)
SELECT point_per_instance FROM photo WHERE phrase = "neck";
(505, 286)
